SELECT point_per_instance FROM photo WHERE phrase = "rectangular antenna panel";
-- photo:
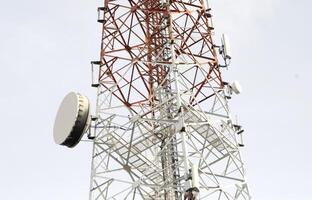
(226, 46)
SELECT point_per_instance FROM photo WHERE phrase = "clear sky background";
(45, 51)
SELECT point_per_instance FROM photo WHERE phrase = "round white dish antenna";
(72, 120)
(236, 87)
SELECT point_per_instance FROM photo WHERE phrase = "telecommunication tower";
(162, 128)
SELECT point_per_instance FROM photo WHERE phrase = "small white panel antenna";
(236, 87)
(206, 4)
(195, 176)
(226, 47)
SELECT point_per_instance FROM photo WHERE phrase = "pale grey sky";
(45, 50)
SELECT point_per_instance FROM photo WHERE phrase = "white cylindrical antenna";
(195, 176)
(95, 71)
(206, 4)
(226, 46)
(236, 87)
(241, 143)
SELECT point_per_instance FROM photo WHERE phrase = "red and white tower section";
(162, 128)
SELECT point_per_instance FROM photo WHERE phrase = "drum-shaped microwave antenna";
(72, 120)
(236, 87)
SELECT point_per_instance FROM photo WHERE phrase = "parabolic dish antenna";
(72, 120)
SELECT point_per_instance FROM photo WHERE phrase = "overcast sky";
(45, 51)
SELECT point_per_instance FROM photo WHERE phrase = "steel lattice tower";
(162, 127)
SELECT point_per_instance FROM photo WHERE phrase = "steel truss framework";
(161, 106)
